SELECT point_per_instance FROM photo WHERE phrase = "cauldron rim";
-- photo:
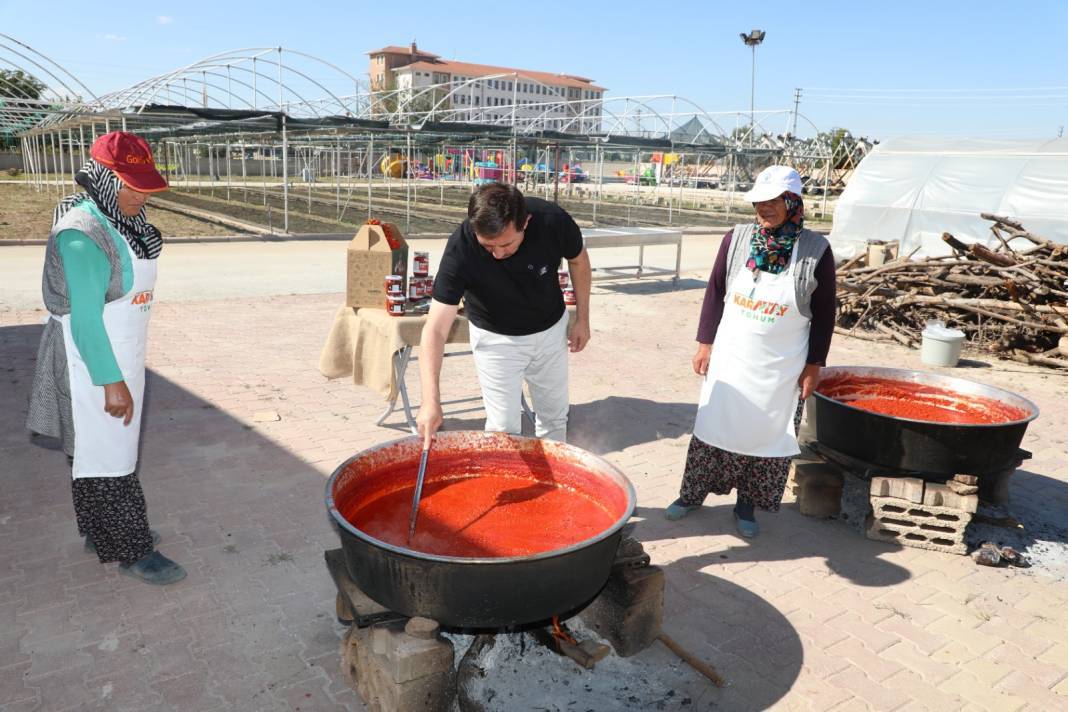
(617, 475)
(964, 386)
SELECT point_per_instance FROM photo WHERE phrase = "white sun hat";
(772, 182)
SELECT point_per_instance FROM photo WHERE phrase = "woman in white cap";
(88, 386)
(764, 332)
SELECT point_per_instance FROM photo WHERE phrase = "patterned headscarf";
(771, 247)
(102, 187)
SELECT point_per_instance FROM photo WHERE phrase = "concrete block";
(406, 657)
(907, 488)
(961, 488)
(918, 525)
(818, 488)
(940, 495)
(629, 610)
(407, 673)
(932, 517)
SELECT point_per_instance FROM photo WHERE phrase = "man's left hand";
(810, 378)
(578, 337)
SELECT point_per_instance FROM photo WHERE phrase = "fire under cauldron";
(934, 450)
(483, 590)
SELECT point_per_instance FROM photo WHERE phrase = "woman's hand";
(810, 378)
(700, 359)
(118, 402)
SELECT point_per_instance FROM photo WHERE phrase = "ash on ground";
(1043, 543)
(518, 673)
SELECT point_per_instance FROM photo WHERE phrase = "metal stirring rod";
(418, 492)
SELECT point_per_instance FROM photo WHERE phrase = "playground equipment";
(393, 165)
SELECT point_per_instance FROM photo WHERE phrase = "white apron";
(103, 445)
(749, 397)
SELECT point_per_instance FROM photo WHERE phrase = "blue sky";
(878, 69)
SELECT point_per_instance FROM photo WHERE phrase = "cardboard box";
(377, 250)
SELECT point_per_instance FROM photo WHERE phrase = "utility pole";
(797, 103)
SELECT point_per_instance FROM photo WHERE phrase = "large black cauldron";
(917, 446)
(478, 592)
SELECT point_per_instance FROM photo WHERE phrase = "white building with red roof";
(483, 93)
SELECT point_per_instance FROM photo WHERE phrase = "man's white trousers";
(504, 362)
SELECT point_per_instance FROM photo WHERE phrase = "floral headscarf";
(771, 247)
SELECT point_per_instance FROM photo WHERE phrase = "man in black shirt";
(503, 261)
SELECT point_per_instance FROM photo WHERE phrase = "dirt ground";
(26, 214)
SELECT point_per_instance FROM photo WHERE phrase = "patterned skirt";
(112, 512)
(760, 481)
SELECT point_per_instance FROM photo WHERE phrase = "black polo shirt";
(518, 295)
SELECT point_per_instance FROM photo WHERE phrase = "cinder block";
(882, 531)
(907, 488)
(409, 673)
(918, 525)
(940, 495)
(629, 610)
(406, 657)
(818, 487)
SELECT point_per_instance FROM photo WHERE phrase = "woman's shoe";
(677, 509)
(90, 545)
(154, 568)
(746, 527)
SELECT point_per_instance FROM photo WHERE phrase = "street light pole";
(752, 40)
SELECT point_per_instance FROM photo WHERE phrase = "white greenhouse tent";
(916, 188)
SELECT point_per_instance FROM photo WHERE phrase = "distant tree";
(16, 85)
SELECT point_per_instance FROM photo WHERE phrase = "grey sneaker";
(90, 545)
(154, 568)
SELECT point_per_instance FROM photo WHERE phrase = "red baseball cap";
(131, 159)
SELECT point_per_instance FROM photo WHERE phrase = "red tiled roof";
(394, 49)
(467, 68)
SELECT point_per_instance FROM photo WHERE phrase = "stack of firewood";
(1012, 300)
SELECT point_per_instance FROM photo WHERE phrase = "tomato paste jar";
(394, 285)
(569, 296)
(565, 278)
(395, 305)
(415, 289)
(421, 264)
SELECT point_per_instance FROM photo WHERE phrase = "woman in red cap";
(99, 276)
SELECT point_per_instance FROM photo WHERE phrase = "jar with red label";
(428, 285)
(569, 296)
(421, 264)
(395, 305)
(415, 289)
(565, 278)
(395, 285)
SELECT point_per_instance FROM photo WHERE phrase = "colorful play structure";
(476, 165)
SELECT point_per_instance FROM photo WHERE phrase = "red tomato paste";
(917, 401)
(495, 505)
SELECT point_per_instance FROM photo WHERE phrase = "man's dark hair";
(494, 207)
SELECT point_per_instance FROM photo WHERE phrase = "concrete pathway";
(808, 616)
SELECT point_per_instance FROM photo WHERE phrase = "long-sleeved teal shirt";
(88, 272)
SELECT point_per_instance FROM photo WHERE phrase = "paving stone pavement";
(809, 616)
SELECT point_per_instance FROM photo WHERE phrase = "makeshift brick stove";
(916, 481)
(405, 605)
